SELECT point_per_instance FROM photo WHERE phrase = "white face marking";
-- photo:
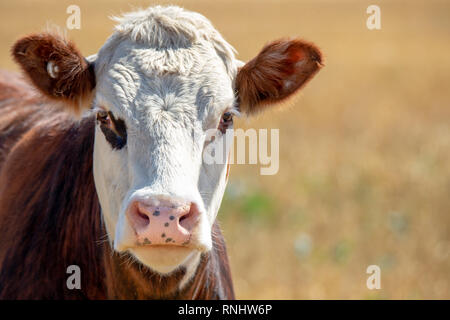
(169, 88)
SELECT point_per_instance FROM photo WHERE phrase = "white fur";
(169, 75)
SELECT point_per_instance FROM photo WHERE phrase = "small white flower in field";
(303, 245)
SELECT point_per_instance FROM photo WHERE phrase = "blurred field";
(365, 150)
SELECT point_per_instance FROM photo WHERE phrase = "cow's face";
(166, 82)
(156, 106)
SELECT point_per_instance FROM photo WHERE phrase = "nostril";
(189, 218)
(183, 222)
(139, 217)
(185, 215)
(143, 217)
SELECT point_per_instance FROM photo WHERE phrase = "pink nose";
(163, 224)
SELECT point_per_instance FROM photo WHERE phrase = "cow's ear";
(56, 67)
(277, 72)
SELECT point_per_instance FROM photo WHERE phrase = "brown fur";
(262, 81)
(75, 79)
(50, 215)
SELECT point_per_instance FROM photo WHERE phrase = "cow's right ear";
(56, 67)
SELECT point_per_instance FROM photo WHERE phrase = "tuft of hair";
(173, 27)
(55, 66)
(281, 69)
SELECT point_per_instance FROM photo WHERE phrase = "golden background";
(364, 150)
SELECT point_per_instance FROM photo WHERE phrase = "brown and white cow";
(124, 192)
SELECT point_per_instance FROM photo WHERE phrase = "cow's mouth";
(164, 258)
(170, 244)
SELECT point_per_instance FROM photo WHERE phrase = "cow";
(101, 161)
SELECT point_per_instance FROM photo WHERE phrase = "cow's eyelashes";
(114, 129)
(226, 121)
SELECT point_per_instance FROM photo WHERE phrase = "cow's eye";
(226, 121)
(103, 117)
(114, 129)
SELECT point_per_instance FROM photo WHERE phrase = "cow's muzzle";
(162, 222)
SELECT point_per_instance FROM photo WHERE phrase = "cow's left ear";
(55, 66)
(277, 72)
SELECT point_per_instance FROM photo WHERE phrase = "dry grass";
(365, 152)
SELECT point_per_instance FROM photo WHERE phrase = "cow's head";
(158, 85)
